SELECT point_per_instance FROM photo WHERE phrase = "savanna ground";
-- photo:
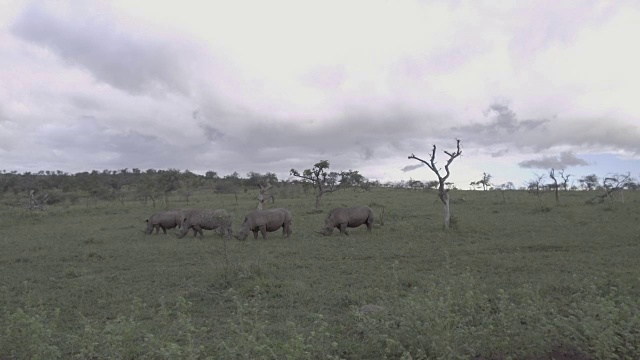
(514, 278)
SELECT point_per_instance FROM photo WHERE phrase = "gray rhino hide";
(164, 220)
(266, 221)
(205, 219)
(348, 217)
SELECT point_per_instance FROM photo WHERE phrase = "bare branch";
(442, 189)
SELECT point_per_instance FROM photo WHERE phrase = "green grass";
(511, 279)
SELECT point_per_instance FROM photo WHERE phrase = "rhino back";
(214, 219)
(352, 216)
(165, 218)
(273, 219)
(286, 214)
(257, 218)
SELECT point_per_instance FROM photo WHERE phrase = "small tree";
(565, 179)
(188, 183)
(613, 184)
(534, 185)
(264, 188)
(552, 175)
(431, 184)
(443, 191)
(34, 203)
(318, 177)
(485, 182)
(353, 179)
(589, 182)
(169, 181)
(415, 184)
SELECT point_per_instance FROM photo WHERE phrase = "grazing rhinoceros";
(345, 217)
(164, 220)
(207, 219)
(265, 221)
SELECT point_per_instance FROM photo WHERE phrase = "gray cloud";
(564, 160)
(504, 131)
(211, 133)
(3, 116)
(367, 152)
(503, 122)
(411, 167)
(84, 36)
(87, 142)
(84, 102)
(500, 153)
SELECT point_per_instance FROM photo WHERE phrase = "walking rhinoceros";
(207, 219)
(348, 217)
(164, 220)
(265, 221)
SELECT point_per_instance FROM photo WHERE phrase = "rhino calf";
(205, 219)
(266, 221)
(164, 220)
(348, 217)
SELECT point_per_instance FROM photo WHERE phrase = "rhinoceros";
(348, 217)
(164, 220)
(265, 221)
(207, 219)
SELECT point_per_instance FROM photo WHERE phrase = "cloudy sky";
(268, 86)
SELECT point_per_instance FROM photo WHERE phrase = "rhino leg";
(286, 230)
(343, 228)
(255, 234)
(157, 228)
(198, 230)
(369, 224)
(263, 231)
(164, 229)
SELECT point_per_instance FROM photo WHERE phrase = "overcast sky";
(268, 86)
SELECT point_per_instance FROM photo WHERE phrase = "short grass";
(516, 277)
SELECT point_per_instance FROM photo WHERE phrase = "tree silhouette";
(443, 191)
(318, 177)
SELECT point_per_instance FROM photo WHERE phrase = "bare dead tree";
(552, 175)
(443, 191)
(611, 185)
(34, 204)
(565, 179)
(262, 195)
(534, 185)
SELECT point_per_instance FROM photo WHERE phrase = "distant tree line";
(149, 186)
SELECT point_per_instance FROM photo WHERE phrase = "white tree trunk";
(263, 190)
(447, 210)
(260, 201)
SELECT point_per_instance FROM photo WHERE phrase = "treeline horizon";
(151, 183)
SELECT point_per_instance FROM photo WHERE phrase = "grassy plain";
(514, 278)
